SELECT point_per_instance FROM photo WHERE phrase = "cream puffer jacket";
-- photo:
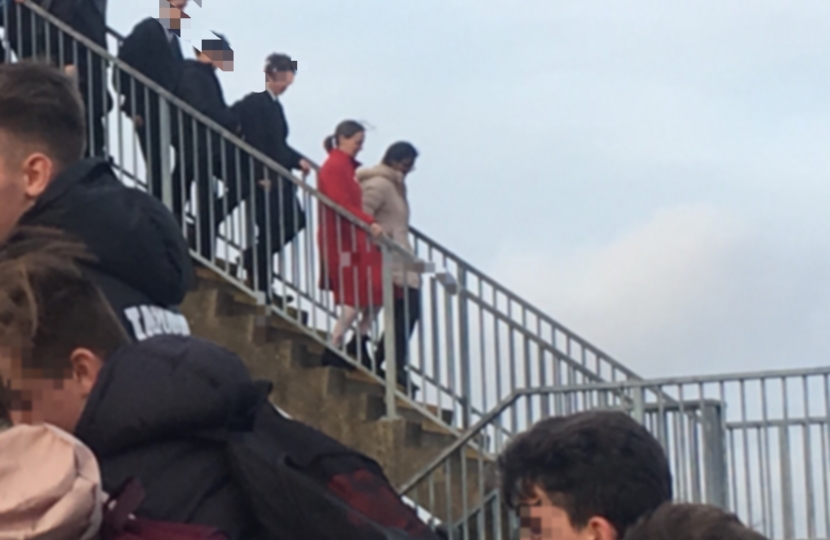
(384, 198)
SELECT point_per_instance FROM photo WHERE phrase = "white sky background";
(653, 174)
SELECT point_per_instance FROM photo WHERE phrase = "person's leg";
(204, 201)
(348, 315)
(151, 147)
(411, 307)
(97, 103)
(380, 350)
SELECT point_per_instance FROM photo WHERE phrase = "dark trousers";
(277, 215)
(194, 168)
(97, 104)
(407, 314)
(149, 139)
(278, 219)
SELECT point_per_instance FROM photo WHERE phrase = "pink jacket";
(50, 486)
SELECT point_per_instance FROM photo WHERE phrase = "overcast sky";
(653, 174)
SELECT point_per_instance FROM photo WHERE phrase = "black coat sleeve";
(197, 89)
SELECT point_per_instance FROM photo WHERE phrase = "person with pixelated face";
(691, 522)
(276, 207)
(69, 364)
(588, 476)
(203, 148)
(153, 48)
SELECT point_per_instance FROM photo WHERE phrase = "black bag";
(302, 484)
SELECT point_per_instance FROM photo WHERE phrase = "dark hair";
(277, 63)
(400, 151)
(345, 129)
(597, 463)
(48, 306)
(40, 105)
(219, 43)
(691, 522)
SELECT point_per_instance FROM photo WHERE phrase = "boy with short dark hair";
(141, 259)
(587, 476)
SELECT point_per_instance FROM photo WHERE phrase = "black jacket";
(199, 86)
(264, 127)
(184, 417)
(148, 50)
(163, 411)
(88, 17)
(143, 263)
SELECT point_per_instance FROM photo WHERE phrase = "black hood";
(133, 235)
(167, 388)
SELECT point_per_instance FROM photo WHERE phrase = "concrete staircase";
(346, 405)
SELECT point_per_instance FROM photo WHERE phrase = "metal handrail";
(385, 243)
(506, 319)
(494, 413)
(754, 444)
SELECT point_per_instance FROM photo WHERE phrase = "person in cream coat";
(384, 198)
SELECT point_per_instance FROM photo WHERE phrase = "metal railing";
(756, 444)
(475, 342)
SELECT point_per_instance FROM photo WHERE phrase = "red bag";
(119, 525)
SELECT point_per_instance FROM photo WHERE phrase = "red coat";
(351, 264)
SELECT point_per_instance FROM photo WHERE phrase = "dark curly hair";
(598, 463)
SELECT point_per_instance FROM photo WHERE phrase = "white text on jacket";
(149, 321)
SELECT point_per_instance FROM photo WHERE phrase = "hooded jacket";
(51, 486)
(184, 417)
(143, 264)
(163, 411)
(384, 198)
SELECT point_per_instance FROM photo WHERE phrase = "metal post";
(714, 455)
(464, 346)
(389, 334)
(164, 154)
(788, 508)
(638, 410)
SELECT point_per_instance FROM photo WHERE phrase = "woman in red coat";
(351, 262)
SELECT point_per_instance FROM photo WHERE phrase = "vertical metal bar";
(163, 150)
(464, 350)
(714, 459)
(825, 455)
(808, 464)
(389, 341)
(449, 328)
(786, 472)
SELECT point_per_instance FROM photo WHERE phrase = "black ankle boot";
(351, 350)
(332, 359)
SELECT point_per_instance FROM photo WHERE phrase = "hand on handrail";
(376, 229)
(305, 166)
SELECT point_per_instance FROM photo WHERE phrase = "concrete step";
(348, 406)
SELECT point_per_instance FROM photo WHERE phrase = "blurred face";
(406, 166)
(174, 12)
(22, 180)
(352, 145)
(221, 59)
(279, 82)
(35, 398)
(541, 519)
